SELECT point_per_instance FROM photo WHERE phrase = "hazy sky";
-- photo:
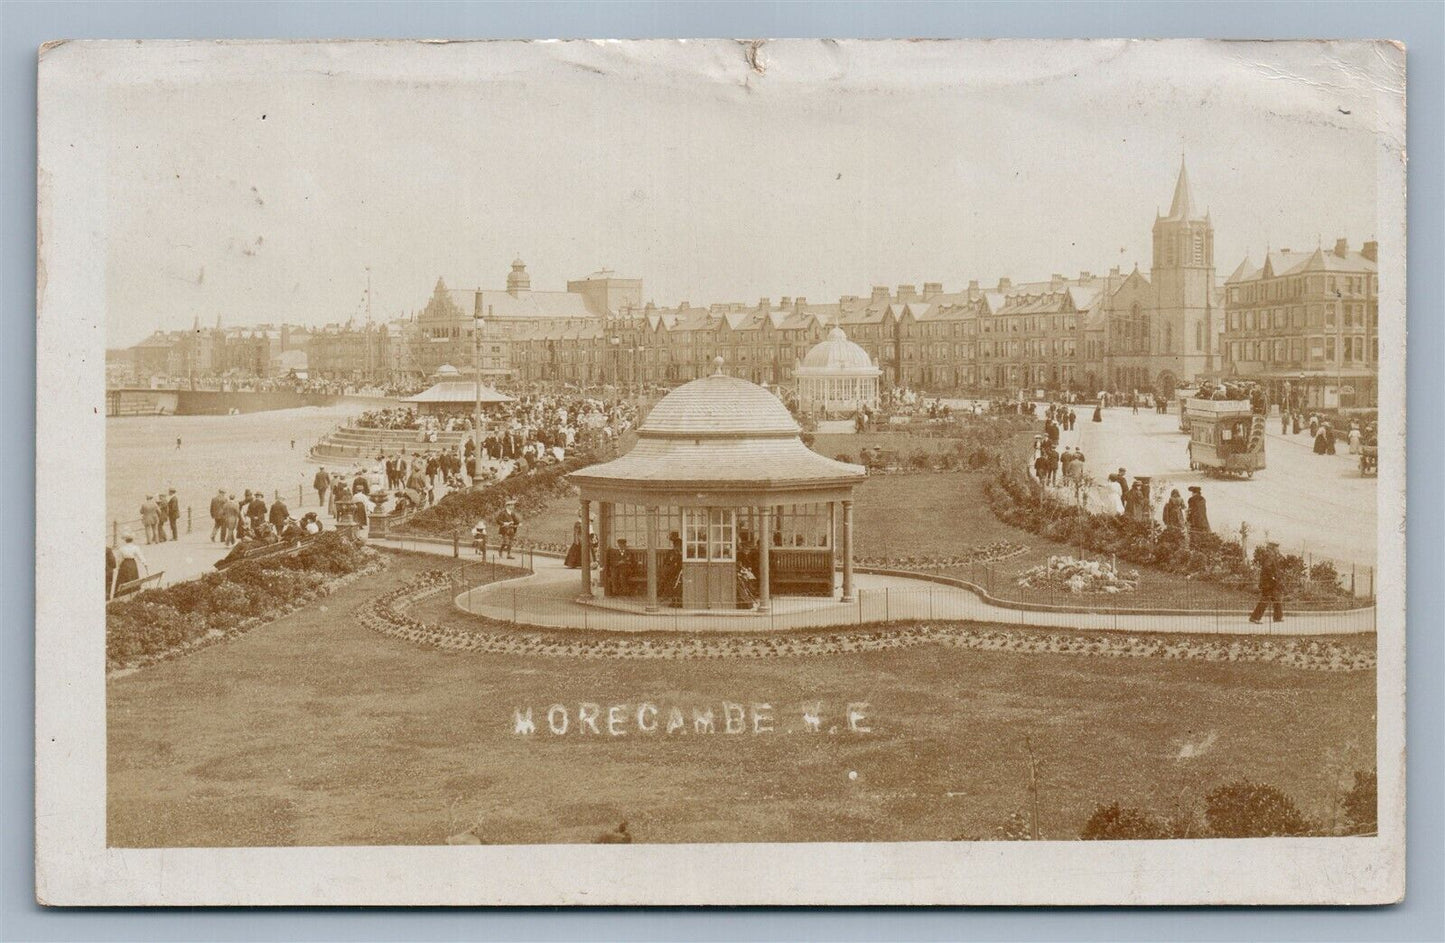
(258, 182)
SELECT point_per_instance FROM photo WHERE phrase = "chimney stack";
(800, 303)
(880, 293)
(1056, 281)
(785, 301)
(1342, 247)
(907, 293)
(1371, 250)
(1085, 276)
(973, 284)
(1004, 284)
(932, 288)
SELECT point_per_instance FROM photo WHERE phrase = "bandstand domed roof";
(722, 432)
(836, 355)
(718, 406)
(447, 371)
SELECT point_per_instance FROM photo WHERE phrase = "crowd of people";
(241, 524)
(1322, 432)
(289, 383)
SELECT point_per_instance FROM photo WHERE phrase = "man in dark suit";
(173, 512)
(1269, 587)
(218, 512)
(256, 510)
(279, 514)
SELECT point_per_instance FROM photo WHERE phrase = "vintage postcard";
(721, 472)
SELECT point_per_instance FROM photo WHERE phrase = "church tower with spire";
(1186, 320)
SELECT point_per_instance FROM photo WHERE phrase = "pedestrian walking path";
(548, 598)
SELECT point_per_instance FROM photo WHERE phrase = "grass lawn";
(316, 731)
(941, 514)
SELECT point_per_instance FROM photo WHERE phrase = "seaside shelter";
(719, 505)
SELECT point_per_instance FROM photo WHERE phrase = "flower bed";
(1072, 575)
(989, 553)
(1017, 499)
(390, 615)
(460, 510)
(161, 623)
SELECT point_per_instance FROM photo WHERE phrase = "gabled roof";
(1279, 262)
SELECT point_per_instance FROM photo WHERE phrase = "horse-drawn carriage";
(1226, 437)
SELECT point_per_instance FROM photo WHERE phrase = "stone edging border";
(388, 615)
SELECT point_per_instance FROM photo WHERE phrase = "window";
(694, 533)
(1330, 349)
(708, 534)
(1329, 315)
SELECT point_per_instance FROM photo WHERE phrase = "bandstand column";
(586, 558)
(765, 540)
(848, 551)
(604, 540)
(652, 559)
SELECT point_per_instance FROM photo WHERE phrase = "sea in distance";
(235, 452)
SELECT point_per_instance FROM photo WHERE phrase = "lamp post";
(477, 323)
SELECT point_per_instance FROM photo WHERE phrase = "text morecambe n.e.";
(649, 719)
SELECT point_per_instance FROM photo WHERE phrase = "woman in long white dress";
(130, 564)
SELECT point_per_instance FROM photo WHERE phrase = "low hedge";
(460, 510)
(1237, 809)
(158, 621)
(1018, 499)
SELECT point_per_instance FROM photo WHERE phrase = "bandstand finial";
(718, 362)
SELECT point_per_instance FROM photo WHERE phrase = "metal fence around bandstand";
(474, 587)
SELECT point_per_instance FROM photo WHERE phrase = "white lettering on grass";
(647, 718)
(813, 718)
(856, 715)
(675, 721)
(616, 717)
(587, 714)
(733, 718)
(522, 722)
(702, 721)
(762, 718)
(557, 720)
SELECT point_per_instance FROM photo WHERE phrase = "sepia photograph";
(977, 465)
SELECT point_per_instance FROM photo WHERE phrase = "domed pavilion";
(837, 376)
(720, 505)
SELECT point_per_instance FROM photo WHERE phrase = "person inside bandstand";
(619, 573)
(669, 568)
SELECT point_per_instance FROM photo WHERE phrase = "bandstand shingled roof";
(457, 391)
(720, 431)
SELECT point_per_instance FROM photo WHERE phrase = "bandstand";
(452, 395)
(719, 505)
(837, 376)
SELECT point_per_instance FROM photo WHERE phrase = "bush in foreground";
(1244, 809)
(1115, 823)
(1362, 804)
(158, 621)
